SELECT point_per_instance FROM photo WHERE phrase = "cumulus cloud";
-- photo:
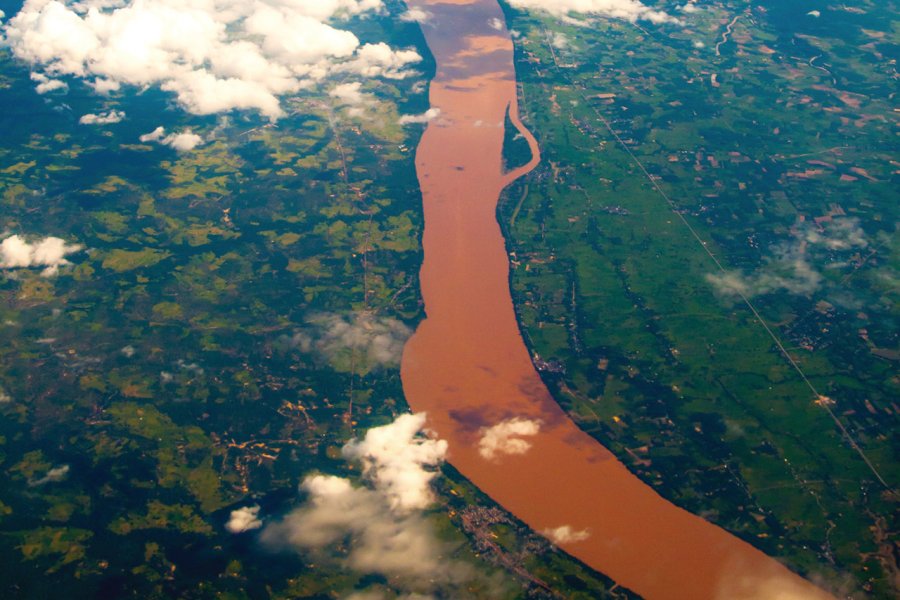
(398, 461)
(362, 339)
(113, 116)
(506, 437)
(838, 234)
(560, 41)
(789, 270)
(738, 582)
(53, 475)
(791, 267)
(426, 117)
(4, 397)
(182, 141)
(379, 60)
(380, 540)
(50, 253)
(45, 85)
(379, 528)
(495, 24)
(155, 135)
(348, 93)
(214, 55)
(244, 519)
(416, 14)
(629, 10)
(565, 534)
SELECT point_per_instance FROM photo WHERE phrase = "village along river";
(468, 368)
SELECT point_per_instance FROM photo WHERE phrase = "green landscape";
(705, 267)
(667, 155)
(216, 335)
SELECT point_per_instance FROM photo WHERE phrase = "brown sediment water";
(468, 368)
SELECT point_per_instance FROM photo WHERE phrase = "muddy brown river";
(468, 368)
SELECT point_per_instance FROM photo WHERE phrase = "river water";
(468, 368)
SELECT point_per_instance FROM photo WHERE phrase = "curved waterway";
(468, 368)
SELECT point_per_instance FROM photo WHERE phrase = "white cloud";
(46, 85)
(495, 24)
(838, 234)
(382, 541)
(560, 41)
(689, 7)
(789, 271)
(104, 86)
(50, 253)
(399, 461)
(629, 10)
(377, 529)
(53, 475)
(379, 60)
(565, 534)
(244, 519)
(214, 55)
(416, 14)
(506, 437)
(15, 252)
(790, 267)
(2, 15)
(155, 135)
(348, 93)
(4, 397)
(426, 117)
(113, 116)
(772, 582)
(183, 141)
(371, 340)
